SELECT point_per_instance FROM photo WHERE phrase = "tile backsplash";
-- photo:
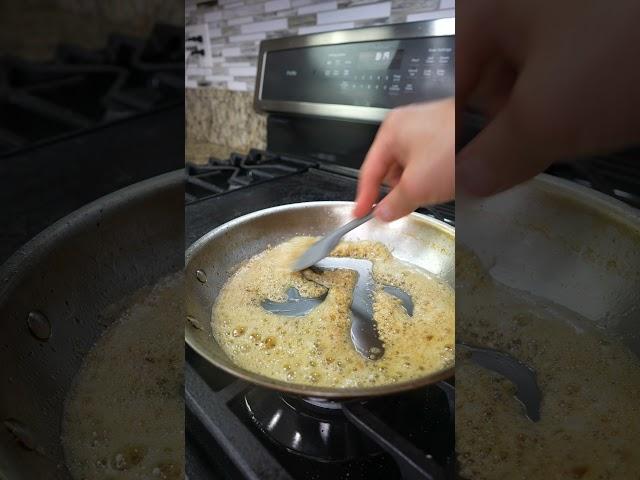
(227, 33)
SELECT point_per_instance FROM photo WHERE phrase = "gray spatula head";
(522, 376)
(404, 297)
(323, 247)
(295, 305)
(364, 333)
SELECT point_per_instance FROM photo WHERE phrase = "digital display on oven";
(383, 74)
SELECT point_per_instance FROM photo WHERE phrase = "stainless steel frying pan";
(70, 273)
(565, 243)
(418, 239)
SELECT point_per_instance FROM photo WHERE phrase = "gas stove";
(238, 431)
(320, 124)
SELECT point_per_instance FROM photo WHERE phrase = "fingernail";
(383, 213)
(473, 178)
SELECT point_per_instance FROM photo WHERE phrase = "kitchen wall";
(220, 81)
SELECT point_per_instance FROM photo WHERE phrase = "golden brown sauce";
(124, 416)
(590, 384)
(316, 348)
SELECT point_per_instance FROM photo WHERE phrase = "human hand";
(413, 152)
(557, 79)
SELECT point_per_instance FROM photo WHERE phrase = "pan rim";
(12, 270)
(304, 390)
(589, 198)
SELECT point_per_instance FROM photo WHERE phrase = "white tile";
(191, 84)
(231, 52)
(325, 28)
(252, 37)
(317, 7)
(239, 21)
(219, 78)
(243, 71)
(236, 64)
(414, 17)
(377, 10)
(299, 3)
(191, 30)
(198, 71)
(214, 33)
(275, 5)
(217, 59)
(243, 10)
(237, 86)
(447, 4)
(212, 16)
(268, 26)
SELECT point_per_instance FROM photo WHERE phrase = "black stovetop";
(223, 440)
(222, 190)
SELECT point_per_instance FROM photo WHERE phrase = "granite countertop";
(219, 122)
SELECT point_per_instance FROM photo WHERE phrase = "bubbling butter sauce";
(590, 384)
(316, 348)
(124, 416)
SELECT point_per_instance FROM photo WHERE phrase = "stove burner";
(308, 428)
(216, 177)
(335, 432)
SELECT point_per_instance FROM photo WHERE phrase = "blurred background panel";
(34, 28)
(91, 122)
(91, 100)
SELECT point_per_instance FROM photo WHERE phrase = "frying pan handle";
(413, 463)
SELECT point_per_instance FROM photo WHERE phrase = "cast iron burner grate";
(216, 177)
(239, 171)
(79, 88)
(236, 430)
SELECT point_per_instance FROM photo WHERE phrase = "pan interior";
(417, 239)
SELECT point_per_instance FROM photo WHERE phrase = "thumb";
(503, 154)
(396, 204)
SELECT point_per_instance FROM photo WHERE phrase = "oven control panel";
(382, 74)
